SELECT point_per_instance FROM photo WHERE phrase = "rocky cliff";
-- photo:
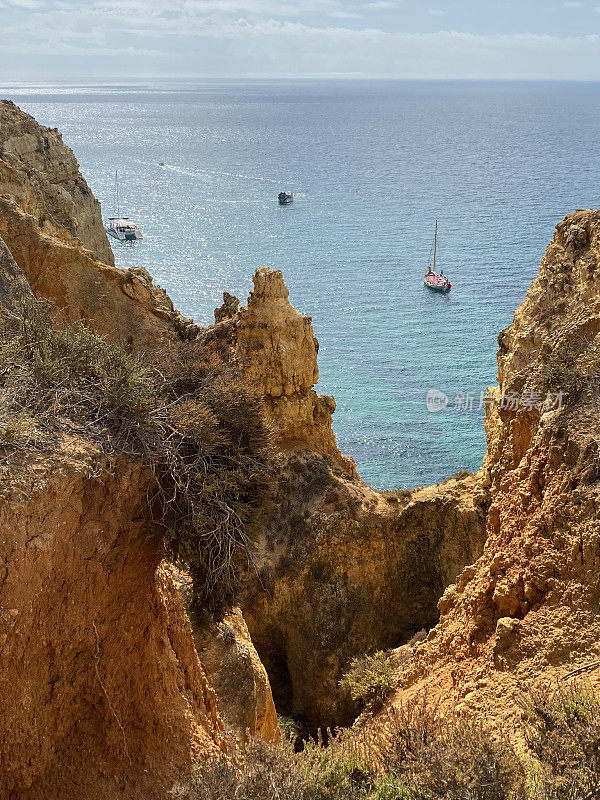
(340, 569)
(343, 570)
(528, 610)
(52, 226)
(274, 346)
(102, 692)
(107, 652)
(41, 174)
(238, 677)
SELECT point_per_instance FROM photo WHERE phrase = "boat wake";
(239, 175)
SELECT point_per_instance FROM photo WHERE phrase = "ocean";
(372, 164)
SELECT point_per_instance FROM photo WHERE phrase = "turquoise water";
(371, 164)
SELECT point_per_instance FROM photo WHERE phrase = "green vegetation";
(426, 756)
(563, 733)
(370, 680)
(315, 469)
(288, 726)
(189, 418)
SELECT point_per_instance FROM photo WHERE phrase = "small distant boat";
(161, 163)
(121, 228)
(285, 198)
(433, 281)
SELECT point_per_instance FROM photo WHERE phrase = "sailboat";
(433, 281)
(120, 228)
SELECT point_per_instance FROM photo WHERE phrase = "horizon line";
(115, 80)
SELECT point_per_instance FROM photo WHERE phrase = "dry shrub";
(71, 379)
(563, 732)
(218, 463)
(267, 772)
(192, 420)
(428, 756)
(435, 757)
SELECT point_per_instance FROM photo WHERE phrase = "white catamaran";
(433, 281)
(121, 228)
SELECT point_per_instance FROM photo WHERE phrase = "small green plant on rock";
(289, 727)
(370, 680)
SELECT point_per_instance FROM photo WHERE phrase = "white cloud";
(247, 36)
(379, 5)
(345, 15)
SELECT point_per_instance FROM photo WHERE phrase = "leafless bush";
(192, 420)
(438, 757)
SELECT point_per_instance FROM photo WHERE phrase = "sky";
(75, 40)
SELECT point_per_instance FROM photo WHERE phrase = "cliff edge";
(52, 226)
(528, 610)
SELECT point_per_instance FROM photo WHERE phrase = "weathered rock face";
(42, 175)
(275, 347)
(238, 677)
(101, 691)
(343, 570)
(14, 289)
(233, 668)
(528, 609)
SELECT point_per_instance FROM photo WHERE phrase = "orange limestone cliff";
(52, 226)
(529, 609)
(102, 694)
(41, 174)
(339, 569)
(275, 347)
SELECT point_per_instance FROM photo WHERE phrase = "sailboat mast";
(117, 199)
(435, 244)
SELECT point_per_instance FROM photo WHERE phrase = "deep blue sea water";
(372, 163)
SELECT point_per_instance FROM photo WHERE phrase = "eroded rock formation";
(528, 609)
(238, 678)
(108, 657)
(42, 176)
(275, 347)
(233, 668)
(343, 570)
(101, 691)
